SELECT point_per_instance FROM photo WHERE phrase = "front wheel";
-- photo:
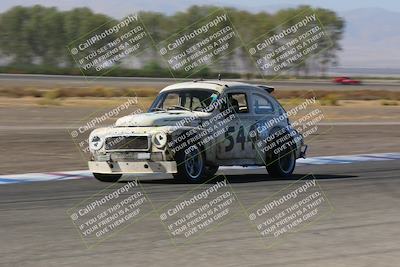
(283, 164)
(191, 165)
(108, 178)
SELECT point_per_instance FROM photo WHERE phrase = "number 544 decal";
(241, 137)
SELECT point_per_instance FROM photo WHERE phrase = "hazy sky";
(119, 8)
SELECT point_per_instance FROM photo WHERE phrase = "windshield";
(190, 99)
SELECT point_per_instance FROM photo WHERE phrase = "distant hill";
(371, 39)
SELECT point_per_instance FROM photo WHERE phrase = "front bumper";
(119, 167)
(303, 151)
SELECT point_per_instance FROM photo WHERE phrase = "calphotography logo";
(199, 45)
(289, 210)
(294, 42)
(198, 212)
(107, 46)
(80, 134)
(102, 35)
(112, 210)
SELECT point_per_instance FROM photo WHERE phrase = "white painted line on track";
(325, 160)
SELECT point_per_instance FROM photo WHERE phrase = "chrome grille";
(133, 143)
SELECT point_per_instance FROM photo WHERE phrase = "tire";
(191, 166)
(107, 178)
(283, 164)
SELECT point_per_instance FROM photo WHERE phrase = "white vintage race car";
(192, 128)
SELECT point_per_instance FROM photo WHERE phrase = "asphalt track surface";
(54, 80)
(361, 230)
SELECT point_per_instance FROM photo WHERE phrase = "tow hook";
(110, 163)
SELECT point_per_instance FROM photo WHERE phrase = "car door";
(235, 143)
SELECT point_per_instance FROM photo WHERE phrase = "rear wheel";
(283, 164)
(108, 178)
(281, 160)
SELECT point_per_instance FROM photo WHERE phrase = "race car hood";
(161, 118)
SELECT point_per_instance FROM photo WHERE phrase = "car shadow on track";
(253, 178)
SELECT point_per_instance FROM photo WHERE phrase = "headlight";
(159, 140)
(95, 142)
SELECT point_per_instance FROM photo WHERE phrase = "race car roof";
(217, 85)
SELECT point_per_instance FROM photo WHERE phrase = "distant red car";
(346, 81)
